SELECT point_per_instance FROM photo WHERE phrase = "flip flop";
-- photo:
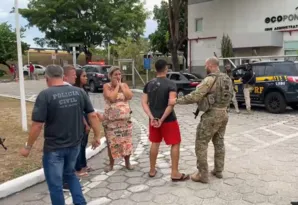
(130, 167)
(108, 169)
(89, 169)
(183, 177)
(83, 174)
(151, 176)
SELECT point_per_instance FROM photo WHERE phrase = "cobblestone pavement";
(261, 164)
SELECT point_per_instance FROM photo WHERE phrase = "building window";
(199, 25)
(291, 48)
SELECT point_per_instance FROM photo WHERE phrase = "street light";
(20, 65)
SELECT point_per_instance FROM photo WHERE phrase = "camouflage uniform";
(213, 122)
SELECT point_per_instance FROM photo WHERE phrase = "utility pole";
(21, 73)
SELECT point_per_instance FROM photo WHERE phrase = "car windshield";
(286, 68)
(103, 69)
(190, 77)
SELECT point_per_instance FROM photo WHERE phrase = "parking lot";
(261, 162)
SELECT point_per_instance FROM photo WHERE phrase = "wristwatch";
(28, 147)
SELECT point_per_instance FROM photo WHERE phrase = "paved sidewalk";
(261, 166)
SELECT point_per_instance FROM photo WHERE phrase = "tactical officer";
(248, 81)
(234, 100)
(217, 90)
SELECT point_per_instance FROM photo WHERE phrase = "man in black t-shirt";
(163, 121)
(59, 109)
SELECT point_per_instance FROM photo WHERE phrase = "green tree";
(171, 33)
(178, 17)
(129, 48)
(8, 44)
(90, 23)
(226, 47)
(160, 38)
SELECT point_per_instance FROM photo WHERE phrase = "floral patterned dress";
(118, 126)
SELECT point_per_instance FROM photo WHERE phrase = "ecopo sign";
(281, 18)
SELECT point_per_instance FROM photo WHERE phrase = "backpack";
(224, 91)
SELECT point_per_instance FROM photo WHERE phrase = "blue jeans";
(81, 160)
(61, 163)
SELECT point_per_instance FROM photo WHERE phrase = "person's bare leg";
(153, 156)
(175, 153)
(111, 165)
(127, 163)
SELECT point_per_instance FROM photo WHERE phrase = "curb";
(18, 184)
(35, 177)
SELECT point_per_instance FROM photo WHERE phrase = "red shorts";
(169, 131)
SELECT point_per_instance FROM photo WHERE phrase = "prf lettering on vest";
(259, 90)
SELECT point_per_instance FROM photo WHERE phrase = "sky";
(5, 16)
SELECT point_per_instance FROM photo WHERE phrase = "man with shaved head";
(213, 96)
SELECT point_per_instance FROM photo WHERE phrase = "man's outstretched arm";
(196, 95)
(39, 116)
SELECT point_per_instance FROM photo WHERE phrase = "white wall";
(235, 17)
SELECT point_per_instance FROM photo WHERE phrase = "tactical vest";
(223, 93)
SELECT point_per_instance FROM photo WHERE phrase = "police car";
(276, 85)
(97, 74)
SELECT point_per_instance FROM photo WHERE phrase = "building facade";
(256, 27)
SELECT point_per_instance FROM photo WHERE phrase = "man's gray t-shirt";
(61, 109)
(158, 91)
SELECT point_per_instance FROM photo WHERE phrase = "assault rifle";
(2, 140)
(196, 113)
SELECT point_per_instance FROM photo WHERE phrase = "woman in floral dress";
(116, 119)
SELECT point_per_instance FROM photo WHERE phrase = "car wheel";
(275, 102)
(93, 88)
(180, 93)
(25, 73)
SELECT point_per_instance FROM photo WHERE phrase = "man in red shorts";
(163, 121)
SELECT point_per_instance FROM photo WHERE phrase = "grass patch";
(12, 164)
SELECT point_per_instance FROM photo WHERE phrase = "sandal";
(151, 176)
(82, 174)
(89, 169)
(108, 168)
(183, 177)
(129, 167)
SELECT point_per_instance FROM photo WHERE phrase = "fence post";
(133, 75)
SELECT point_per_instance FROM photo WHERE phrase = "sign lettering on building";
(274, 19)
(280, 19)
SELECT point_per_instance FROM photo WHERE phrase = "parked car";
(37, 68)
(77, 66)
(185, 82)
(276, 85)
(97, 76)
